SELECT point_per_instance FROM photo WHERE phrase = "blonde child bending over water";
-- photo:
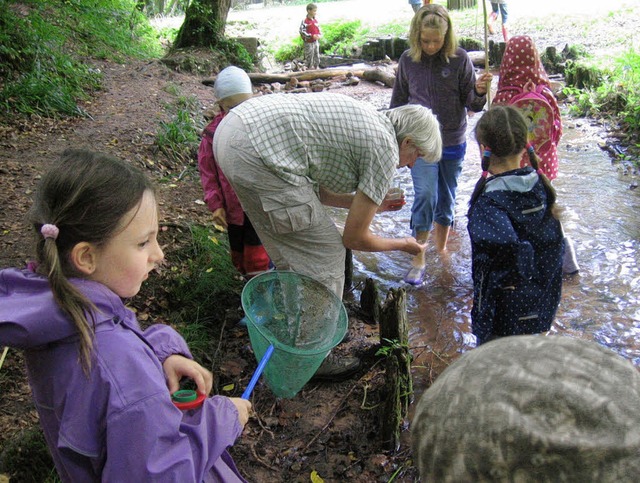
(516, 240)
(101, 385)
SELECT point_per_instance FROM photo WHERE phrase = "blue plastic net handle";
(256, 374)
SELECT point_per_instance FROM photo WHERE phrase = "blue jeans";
(435, 186)
(503, 11)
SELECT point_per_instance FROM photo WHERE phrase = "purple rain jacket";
(118, 424)
(448, 89)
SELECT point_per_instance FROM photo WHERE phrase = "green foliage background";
(43, 44)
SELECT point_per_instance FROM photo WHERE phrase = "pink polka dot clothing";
(520, 64)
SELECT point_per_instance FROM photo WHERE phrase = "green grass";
(202, 288)
(44, 46)
(179, 137)
(209, 270)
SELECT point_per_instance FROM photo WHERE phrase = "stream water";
(600, 303)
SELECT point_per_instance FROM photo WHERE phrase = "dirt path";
(123, 120)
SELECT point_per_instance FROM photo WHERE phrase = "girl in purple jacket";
(101, 385)
(437, 74)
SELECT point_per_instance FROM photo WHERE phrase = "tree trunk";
(460, 4)
(204, 24)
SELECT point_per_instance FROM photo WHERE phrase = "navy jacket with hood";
(517, 248)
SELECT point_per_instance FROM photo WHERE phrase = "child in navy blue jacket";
(516, 239)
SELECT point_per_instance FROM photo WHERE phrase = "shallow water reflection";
(601, 303)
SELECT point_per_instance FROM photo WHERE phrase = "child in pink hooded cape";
(520, 64)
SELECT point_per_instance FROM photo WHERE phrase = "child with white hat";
(232, 87)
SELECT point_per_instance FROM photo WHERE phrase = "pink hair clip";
(539, 171)
(485, 174)
(49, 231)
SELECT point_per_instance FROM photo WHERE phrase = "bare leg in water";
(440, 238)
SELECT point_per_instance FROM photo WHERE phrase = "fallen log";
(306, 75)
(375, 74)
(477, 57)
(379, 75)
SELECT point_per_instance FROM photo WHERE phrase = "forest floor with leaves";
(328, 428)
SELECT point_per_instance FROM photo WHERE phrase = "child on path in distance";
(231, 88)
(521, 66)
(516, 240)
(101, 385)
(310, 33)
(437, 74)
(499, 6)
(417, 4)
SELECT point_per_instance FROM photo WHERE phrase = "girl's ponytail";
(477, 191)
(68, 298)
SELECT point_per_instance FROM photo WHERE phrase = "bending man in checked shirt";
(287, 155)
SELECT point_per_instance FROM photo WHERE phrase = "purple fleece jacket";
(446, 88)
(117, 424)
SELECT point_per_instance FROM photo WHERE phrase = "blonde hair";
(435, 17)
(419, 124)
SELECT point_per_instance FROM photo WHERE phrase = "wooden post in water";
(348, 270)
(394, 334)
(370, 301)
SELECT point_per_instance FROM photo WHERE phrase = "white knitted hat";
(232, 81)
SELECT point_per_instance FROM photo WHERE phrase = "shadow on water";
(601, 303)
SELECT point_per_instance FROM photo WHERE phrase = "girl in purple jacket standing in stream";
(437, 74)
(101, 385)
